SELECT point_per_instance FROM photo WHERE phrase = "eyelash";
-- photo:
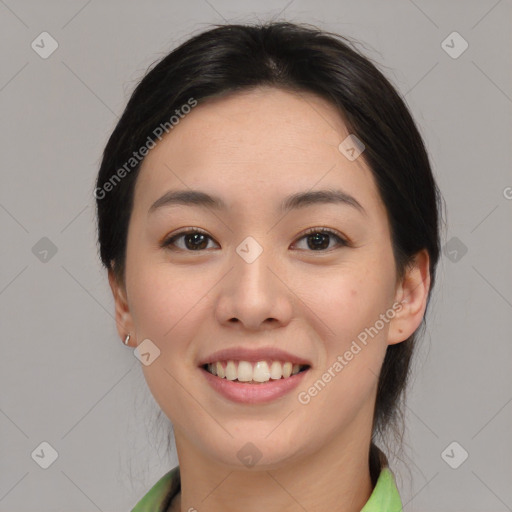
(167, 243)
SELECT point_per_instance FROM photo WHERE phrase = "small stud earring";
(127, 339)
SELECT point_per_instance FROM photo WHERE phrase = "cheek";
(352, 300)
(167, 309)
(355, 305)
(165, 303)
(346, 378)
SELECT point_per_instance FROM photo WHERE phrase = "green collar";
(384, 498)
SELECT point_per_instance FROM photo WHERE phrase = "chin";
(248, 452)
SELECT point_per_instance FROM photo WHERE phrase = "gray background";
(66, 378)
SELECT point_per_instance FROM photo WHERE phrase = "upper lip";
(253, 356)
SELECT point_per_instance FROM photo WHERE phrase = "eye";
(197, 240)
(194, 240)
(318, 238)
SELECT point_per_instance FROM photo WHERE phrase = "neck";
(334, 477)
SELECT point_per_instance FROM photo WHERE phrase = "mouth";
(257, 372)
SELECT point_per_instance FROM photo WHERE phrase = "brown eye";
(318, 239)
(193, 240)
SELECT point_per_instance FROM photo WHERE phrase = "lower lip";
(253, 393)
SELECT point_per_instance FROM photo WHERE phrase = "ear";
(124, 321)
(410, 299)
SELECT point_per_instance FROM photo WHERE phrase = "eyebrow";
(294, 201)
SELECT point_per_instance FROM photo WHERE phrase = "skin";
(253, 149)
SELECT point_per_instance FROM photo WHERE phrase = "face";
(254, 287)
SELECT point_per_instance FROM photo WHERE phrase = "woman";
(269, 222)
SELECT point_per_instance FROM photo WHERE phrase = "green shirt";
(384, 498)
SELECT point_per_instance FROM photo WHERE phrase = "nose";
(254, 295)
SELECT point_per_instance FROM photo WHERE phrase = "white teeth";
(261, 372)
(245, 371)
(276, 370)
(287, 369)
(231, 372)
(220, 371)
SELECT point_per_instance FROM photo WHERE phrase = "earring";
(126, 339)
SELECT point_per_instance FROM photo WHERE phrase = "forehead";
(261, 144)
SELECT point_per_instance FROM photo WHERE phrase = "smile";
(254, 372)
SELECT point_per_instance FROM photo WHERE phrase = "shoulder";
(157, 499)
(385, 496)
